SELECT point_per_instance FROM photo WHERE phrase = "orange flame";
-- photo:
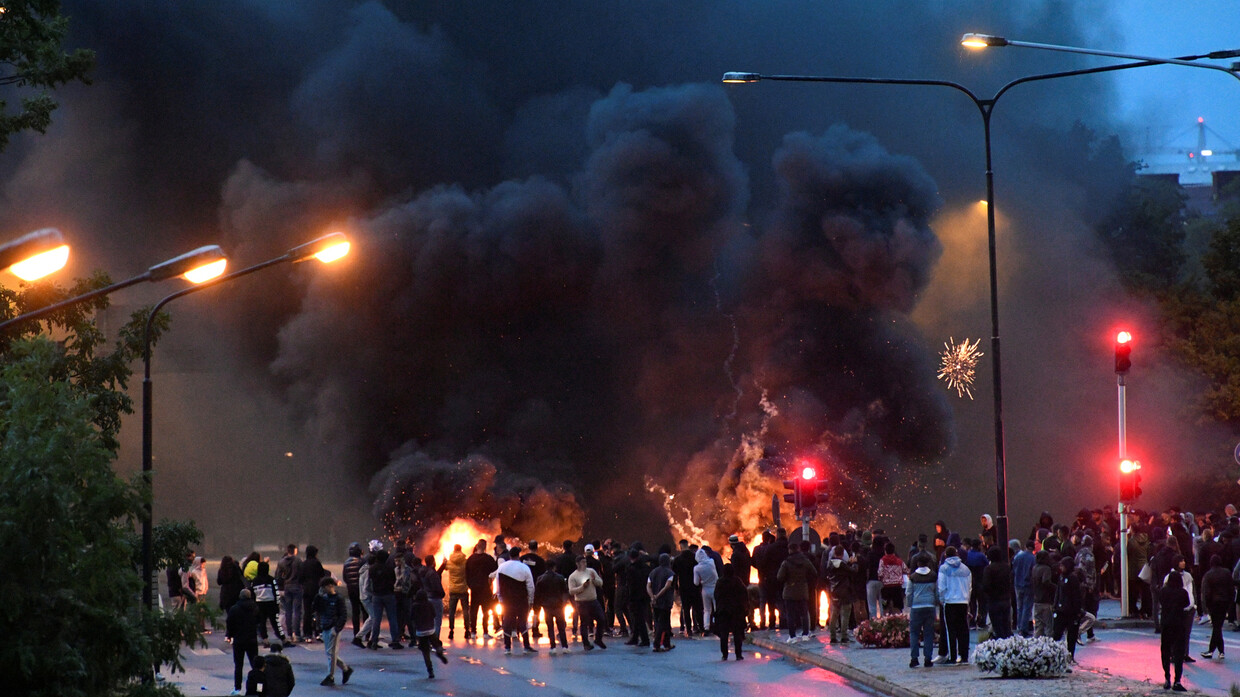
(463, 532)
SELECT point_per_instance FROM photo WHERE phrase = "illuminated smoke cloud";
(417, 494)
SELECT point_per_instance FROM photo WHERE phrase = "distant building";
(1201, 170)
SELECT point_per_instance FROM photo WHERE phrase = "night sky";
(584, 269)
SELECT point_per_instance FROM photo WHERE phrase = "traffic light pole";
(1123, 509)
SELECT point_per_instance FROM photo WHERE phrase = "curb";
(860, 677)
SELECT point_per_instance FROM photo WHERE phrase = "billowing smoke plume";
(579, 274)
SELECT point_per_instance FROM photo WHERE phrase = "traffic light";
(808, 483)
(793, 498)
(1129, 480)
(1123, 351)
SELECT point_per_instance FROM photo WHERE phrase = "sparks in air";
(959, 365)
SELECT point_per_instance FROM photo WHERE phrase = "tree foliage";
(73, 620)
(32, 34)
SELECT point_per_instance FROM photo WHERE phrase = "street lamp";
(981, 41)
(984, 107)
(35, 254)
(196, 266)
(326, 249)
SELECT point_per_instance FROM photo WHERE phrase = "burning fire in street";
(463, 532)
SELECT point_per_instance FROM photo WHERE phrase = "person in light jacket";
(921, 595)
(955, 585)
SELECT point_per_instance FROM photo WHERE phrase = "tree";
(74, 624)
(32, 33)
(1145, 234)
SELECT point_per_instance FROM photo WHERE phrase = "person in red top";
(891, 572)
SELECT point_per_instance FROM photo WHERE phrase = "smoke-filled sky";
(585, 272)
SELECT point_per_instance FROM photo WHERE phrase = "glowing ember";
(463, 532)
(959, 365)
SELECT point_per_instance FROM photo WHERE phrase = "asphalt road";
(693, 668)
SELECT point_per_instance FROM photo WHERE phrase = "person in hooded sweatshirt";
(955, 585)
(1174, 601)
(1042, 583)
(705, 576)
(976, 561)
(796, 574)
(274, 673)
(230, 581)
(941, 533)
(516, 594)
(1218, 592)
(988, 533)
(997, 589)
(267, 598)
(422, 621)
(921, 591)
(891, 572)
(1068, 603)
(551, 594)
(241, 627)
(838, 574)
(731, 611)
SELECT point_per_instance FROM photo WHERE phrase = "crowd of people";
(1049, 584)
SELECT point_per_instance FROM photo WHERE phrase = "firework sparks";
(959, 365)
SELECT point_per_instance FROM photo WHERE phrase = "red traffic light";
(1129, 480)
(807, 472)
(1123, 352)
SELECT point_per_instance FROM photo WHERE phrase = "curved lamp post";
(197, 266)
(327, 249)
(35, 254)
(985, 107)
(981, 41)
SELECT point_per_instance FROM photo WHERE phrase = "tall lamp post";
(981, 41)
(328, 248)
(985, 107)
(196, 266)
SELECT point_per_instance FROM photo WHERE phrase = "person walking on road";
(422, 622)
(1173, 601)
(241, 627)
(1068, 604)
(1218, 591)
(332, 614)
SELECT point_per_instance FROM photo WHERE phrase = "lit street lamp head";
(738, 78)
(982, 41)
(200, 265)
(35, 254)
(326, 249)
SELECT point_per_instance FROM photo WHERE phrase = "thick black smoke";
(576, 260)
